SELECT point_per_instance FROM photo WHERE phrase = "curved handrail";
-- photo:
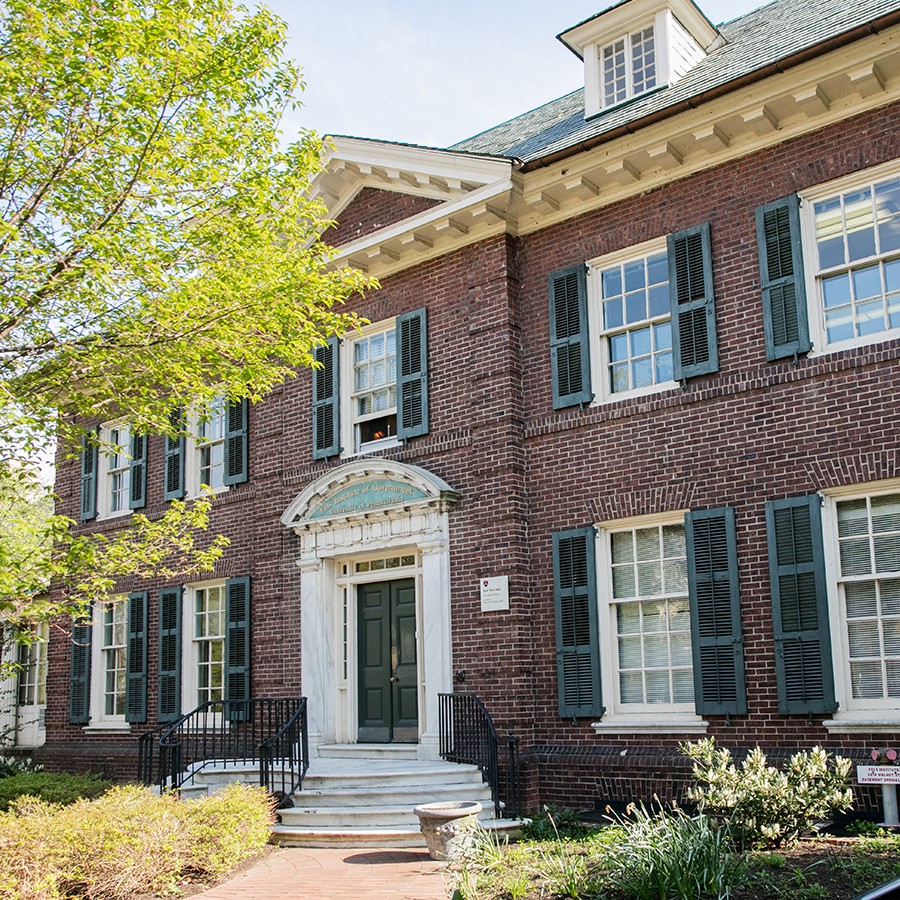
(284, 757)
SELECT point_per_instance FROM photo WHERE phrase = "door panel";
(388, 674)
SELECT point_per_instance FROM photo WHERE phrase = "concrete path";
(297, 873)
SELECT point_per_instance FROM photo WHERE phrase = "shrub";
(551, 823)
(669, 855)
(13, 765)
(765, 806)
(127, 842)
(51, 787)
(226, 828)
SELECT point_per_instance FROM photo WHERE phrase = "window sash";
(113, 653)
(209, 643)
(118, 467)
(628, 66)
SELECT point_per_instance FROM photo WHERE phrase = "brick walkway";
(294, 873)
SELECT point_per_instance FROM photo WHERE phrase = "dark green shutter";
(803, 665)
(237, 420)
(174, 458)
(716, 636)
(237, 645)
(781, 270)
(168, 692)
(80, 672)
(412, 375)
(326, 401)
(577, 634)
(89, 460)
(691, 294)
(138, 488)
(570, 360)
(136, 659)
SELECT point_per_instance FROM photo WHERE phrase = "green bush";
(765, 806)
(127, 842)
(669, 855)
(551, 823)
(51, 787)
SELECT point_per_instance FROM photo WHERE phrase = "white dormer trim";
(682, 37)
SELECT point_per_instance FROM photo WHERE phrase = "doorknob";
(394, 679)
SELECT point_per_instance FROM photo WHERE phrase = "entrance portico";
(369, 523)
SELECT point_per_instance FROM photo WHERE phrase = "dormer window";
(637, 46)
(629, 66)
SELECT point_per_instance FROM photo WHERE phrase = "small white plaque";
(494, 593)
(878, 774)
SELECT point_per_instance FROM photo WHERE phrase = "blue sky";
(435, 72)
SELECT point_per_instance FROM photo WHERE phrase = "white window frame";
(190, 683)
(599, 337)
(815, 301)
(680, 718)
(852, 715)
(349, 418)
(195, 443)
(628, 48)
(32, 661)
(107, 470)
(100, 720)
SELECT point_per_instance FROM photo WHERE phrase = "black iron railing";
(467, 735)
(230, 732)
(284, 757)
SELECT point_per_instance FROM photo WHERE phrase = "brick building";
(618, 452)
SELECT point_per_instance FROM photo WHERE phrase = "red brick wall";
(373, 209)
(752, 432)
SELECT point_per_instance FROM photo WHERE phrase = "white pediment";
(365, 489)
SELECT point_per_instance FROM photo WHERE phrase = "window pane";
(860, 224)
(886, 513)
(852, 518)
(887, 206)
(861, 599)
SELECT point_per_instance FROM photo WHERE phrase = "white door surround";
(367, 509)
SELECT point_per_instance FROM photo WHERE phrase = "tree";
(157, 247)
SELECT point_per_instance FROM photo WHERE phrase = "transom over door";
(388, 674)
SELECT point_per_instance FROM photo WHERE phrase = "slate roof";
(754, 41)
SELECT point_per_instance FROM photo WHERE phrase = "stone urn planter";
(448, 828)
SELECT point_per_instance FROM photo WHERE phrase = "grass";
(586, 868)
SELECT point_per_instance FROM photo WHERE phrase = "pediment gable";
(373, 209)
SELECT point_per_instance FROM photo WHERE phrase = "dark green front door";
(388, 675)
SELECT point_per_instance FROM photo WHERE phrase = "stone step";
(367, 751)
(393, 793)
(378, 773)
(359, 816)
(363, 838)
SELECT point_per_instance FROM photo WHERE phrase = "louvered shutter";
(174, 459)
(80, 673)
(168, 693)
(326, 401)
(781, 269)
(237, 420)
(803, 665)
(691, 294)
(237, 646)
(136, 659)
(89, 461)
(137, 496)
(570, 362)
(577, 635)
(412, 376)
(716, 635)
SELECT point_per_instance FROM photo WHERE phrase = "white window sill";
(663, 387)
(659, 724)
(374, 447)
(107, 728)
(862, 723)
(118, 514)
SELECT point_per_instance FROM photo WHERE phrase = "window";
(370, 390)
(119, 457)
(865, 602)
(209, 643)
(635, 322)
(215, 453)
(628, 66)
(216, 650)
(373, 398)
(32, 676)
(649, 636)
(647, 619)
(108, 665)
(852, 250)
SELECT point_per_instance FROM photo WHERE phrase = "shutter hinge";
(684, 384)
(796, 361)
(727, 720)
